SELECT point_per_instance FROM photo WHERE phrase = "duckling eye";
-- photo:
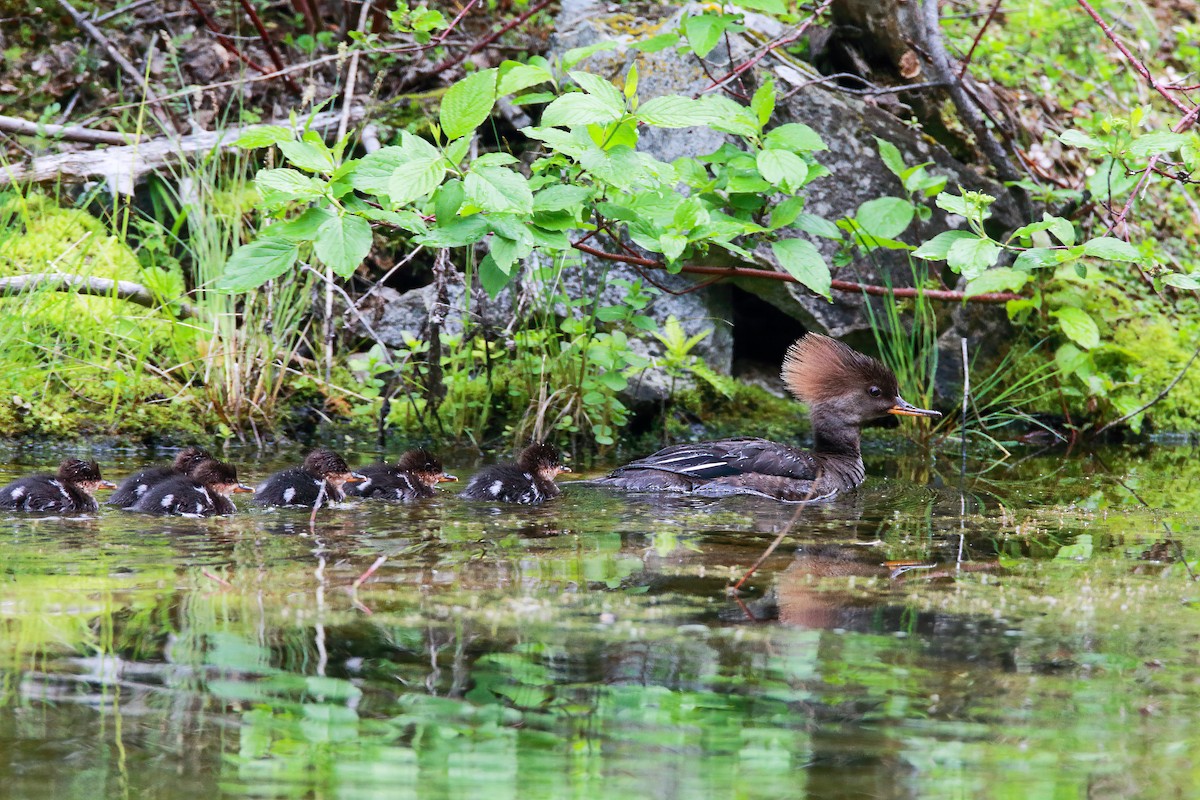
(875, 391)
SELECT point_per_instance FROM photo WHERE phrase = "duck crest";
(817, 369)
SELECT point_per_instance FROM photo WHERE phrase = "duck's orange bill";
(356, 478)
(106, 485)
(446, 477)
(242, 488)
(904, 408)
(564, 469)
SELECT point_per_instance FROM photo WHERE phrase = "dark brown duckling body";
(413, 477)
(844, 390)
(136, 485)
(68, 490)
(203, 492)
(530, 480)
(302, 486)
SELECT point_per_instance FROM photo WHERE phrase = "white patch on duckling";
(141, 489)
(167, 500)
(289, 493)
(496, 488)
(18, 493)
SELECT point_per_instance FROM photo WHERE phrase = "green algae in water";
(588, 648)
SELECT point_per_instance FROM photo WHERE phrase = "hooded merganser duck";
(301, 486)
(69, 490)
(843, 389)
(411, 478)
(203, 492)
(530, 480)
(136, 485)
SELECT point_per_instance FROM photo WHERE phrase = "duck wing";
(724, 458)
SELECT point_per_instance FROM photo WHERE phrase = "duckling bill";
(843, 389)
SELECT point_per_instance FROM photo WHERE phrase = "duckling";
(69, 490)
(844, 390)
(203, 492)
(301, 486)
(411, 478)
(136, 485)
(530, 480)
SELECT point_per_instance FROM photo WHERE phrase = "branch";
(1160, 396)
(841, 286)
(272, 53)
(775, 45)
(73, 133)
(968, 111)
(122, 166)
(96, 287)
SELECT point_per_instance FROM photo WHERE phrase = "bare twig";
(767, 553)
(782, 41)
(226, 40)
(968, 111)
(73, 133)
(841, 286)
(129, 69)
(272, 53)
(1160, 396)
(966, 62)
(369, 572)
(95, 287)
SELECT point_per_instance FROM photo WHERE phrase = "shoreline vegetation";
(598, 227)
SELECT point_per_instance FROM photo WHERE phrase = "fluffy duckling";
(301, 486)
(203, 492)
(136, 485)
(413, 477)
(530, 480)
(69, 490)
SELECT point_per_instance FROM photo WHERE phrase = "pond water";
(1029, 630)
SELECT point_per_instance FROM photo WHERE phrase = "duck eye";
(875, 391)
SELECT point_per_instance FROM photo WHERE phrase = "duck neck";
(833, 437)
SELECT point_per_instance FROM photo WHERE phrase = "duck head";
(425, 465)
(841, 385)
(542, 459)
(327, 465)
(218, 476)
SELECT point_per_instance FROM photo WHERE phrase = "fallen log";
(96, 287)
(123, 166)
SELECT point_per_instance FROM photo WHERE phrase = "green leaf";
(885, 217)
(301, 229)
(655, 43)
(253, 264)
(703, 32)
(818, 226)
(1078, 326)
(1181, 281)
(1001, 279)
(1157, 143)
(601, 89)
(279, 186)
(1038, 257)
(803, 262)
(782, 168)
(890, 155)
(672, 245)
(971, 256)
(499, 189)
(561, 197)
(768, 6)
(375, 169)
(577, 54)
(468, 103)
(1111, 249)
(795, 136)
(343, 242)
(1077, 138)
(515, 76)
(458, 233)
(415, 179)
(580, 109)
(937, 248)
(307, 155)
(785, 213)
(457, 150)
(763, 101)
(491, 277)
(505, 252)
(674, 111)
(264, 136)
(729, 117)
(448, 201)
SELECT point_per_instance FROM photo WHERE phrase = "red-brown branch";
(966, 62)
(842, 286)
(225, 40)
(775, 45)
(268, 44)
